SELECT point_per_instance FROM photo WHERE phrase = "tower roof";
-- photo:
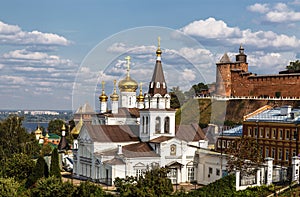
(225, 59)
(158, 84)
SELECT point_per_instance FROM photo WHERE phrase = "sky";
(54, 53)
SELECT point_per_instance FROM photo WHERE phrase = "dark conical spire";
(158, 84)
(63, 144)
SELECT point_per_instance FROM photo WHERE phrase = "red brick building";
(234, 79)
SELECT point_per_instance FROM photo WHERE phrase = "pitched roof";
(225, 59)
(190, 132)
(112, 133)
(125, 112)
(85, 109)
(160, 139)
(115, 161)
(141, 149)
(158, 77)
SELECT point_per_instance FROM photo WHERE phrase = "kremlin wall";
(234, 80)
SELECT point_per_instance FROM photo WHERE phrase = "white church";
(138, 133)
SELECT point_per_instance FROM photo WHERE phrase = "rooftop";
(233, 132)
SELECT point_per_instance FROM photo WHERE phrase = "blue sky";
(44, 44)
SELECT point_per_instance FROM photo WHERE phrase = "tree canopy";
(54, 166)
(244, 155)
(294, 66)
(153, 183)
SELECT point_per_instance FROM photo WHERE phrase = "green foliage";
(40, 170)
(53, 187)
(46, 149)
(14, 138)
(18, 166)
(177, 97)
(196, 90)
(9, 187)
(54, 166)
(88, 189)
(153, 183)
(294, 66)
(244, 155)
(55, 126)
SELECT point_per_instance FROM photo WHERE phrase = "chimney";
(120, 150)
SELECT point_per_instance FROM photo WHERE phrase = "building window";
(294, 135)
(255, 132)
(267, 152)
(218, 172)
(294, 152)
(287, 134)
(224, 144)
(219, 143)
(261, 132)
(164, 85)
(191, 173)
(280, 133)
(173, 150)
(167, 125)
(273, 153)
(210, 170)
(139, 172)
(157, 85)
(157, 125)
(151, 84)
(280, 154)
(147, 124)
(143, 124)
(274, 133)
(267, 133)
(286, 154)
(249, 131)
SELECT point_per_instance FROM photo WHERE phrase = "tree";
(196, 90)
(19, 167)
(154, 183)
(244, 155)
(53, 187)
(40, 170)
(177, 97)
(294, 66)
(55, 126)
(87, 189)
(14, 138)
(54, 166)
(9, 187)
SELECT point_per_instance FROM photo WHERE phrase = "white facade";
(128, 99)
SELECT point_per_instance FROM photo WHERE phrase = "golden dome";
(38, 131)
(114, 96)
(140, 97)
(103, 97)
(128, 84)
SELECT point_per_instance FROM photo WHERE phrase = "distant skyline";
(44, 43)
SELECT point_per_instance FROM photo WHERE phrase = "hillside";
(207, 111)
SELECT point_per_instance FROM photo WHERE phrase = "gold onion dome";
(38, 131)
(128, 84)
(103, 97)
(140, 97)
(114, 96)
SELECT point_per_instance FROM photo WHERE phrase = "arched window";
(143, 124)
(167, 125)
(147, 124)
(129, 101)
(157, 85)
(173, 150)
(157, 125)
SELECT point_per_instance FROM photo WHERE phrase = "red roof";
(191, 132)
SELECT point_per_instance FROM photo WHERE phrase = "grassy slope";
(207, 111)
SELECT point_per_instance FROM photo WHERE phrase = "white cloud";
(278, 13)
(224, 35)
(188, 75)
(210, 28)
(257, 7)
(13, 34)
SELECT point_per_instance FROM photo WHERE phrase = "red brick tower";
(224, 72)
